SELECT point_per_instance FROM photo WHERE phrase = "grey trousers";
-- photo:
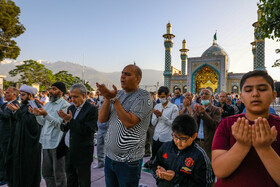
(53, 169)
(101, 134)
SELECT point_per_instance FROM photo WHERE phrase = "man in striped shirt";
(128, 112)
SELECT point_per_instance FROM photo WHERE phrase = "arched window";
(234, 89)
(185, 89)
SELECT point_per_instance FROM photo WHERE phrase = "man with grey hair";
(225, 109)
(236, 110)
(80, 123)
(208, 117)
(53, 166)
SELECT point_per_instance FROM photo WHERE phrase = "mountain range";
(150, 78)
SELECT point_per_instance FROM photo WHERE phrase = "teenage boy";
(181, 162)
(245, 150)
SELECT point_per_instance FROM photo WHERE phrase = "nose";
(255, 92)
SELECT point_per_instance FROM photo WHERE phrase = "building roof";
(213, 51)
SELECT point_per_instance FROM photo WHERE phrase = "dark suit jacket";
(81, 134)
(6, 121)
(211, 120)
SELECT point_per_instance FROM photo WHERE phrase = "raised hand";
(262, 135)
(13, 107)
(157, 113)
(168, 175)
(105, 92)
(66, 117)
(186, 103)
(40, 112)
(159, 171)
(242, 132)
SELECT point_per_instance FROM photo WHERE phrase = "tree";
(10, 27)
(269, 23)
(33, 72)
(7, 84)
(68, 79)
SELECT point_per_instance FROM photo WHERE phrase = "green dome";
(213, 51)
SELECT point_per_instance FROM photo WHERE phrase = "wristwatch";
(113, 100)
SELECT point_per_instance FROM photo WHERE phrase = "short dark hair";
(178, 89)
(163, 89)
(184, 124)
(257, 73)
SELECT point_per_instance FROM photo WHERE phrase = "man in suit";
(6, 121)
(80, 123)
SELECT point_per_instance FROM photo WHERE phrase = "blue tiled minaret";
(184, 56)
(168, 44)
(259, 60)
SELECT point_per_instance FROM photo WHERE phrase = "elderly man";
(53, 167)
(80, 125)
(6, 122)
(187, 106)
(128, 112)
(208, 117)
(226, 109)
(23, 161)
(229, 102)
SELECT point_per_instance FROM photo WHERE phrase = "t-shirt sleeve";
(142, 106)
(222, 136)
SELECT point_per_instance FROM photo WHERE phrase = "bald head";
(136, 69)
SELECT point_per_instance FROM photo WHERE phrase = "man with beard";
(53, 167)
(6, 121)
(23, 159)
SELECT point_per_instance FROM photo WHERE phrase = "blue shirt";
(271, 111)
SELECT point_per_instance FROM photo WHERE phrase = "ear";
(241, 98)
(194, 136)
(274, 95)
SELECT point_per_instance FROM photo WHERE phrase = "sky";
(110, 34)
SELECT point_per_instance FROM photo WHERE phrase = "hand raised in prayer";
(157, 113)
(105, 92)
(13, 107)
(200, 109)
(159, 171)
(186, 102)
(39, 112)
(168, 175)
(66, 117)
(242, 132)
(262, 135)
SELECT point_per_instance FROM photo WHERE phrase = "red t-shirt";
(251, 171)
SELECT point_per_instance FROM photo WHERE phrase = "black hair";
(184, 124)
(257, 73)
(178, 89)
(163, 89)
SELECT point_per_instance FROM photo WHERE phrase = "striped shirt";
(123, 144)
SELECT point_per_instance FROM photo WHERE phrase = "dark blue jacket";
(192, 166)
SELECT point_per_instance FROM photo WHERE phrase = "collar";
(10, 102)
(81, 106)
(59, 100)
(168, 104)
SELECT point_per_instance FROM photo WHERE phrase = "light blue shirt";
(51, 133)
(200, 133)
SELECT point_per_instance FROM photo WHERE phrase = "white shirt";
(163, 124)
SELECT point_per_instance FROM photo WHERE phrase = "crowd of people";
(204, 139)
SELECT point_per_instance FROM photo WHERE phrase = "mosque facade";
(210, 70)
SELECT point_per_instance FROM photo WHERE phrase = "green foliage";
(33, 72)
(10, 27)
(269, 23)
(7, 84)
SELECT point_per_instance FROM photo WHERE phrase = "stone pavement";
(98, 178)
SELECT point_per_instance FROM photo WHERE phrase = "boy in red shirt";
(246, 147)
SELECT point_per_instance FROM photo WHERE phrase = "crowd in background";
(184, 134)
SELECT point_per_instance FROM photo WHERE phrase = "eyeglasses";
(182, 139)
(206, 93)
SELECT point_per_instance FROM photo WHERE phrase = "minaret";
(259, 63)
(184, 56)
(254, 54)
(168, 44)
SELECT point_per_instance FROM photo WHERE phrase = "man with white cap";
(24, 151)
(53, 167)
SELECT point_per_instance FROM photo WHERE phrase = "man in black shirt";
(226, 109)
